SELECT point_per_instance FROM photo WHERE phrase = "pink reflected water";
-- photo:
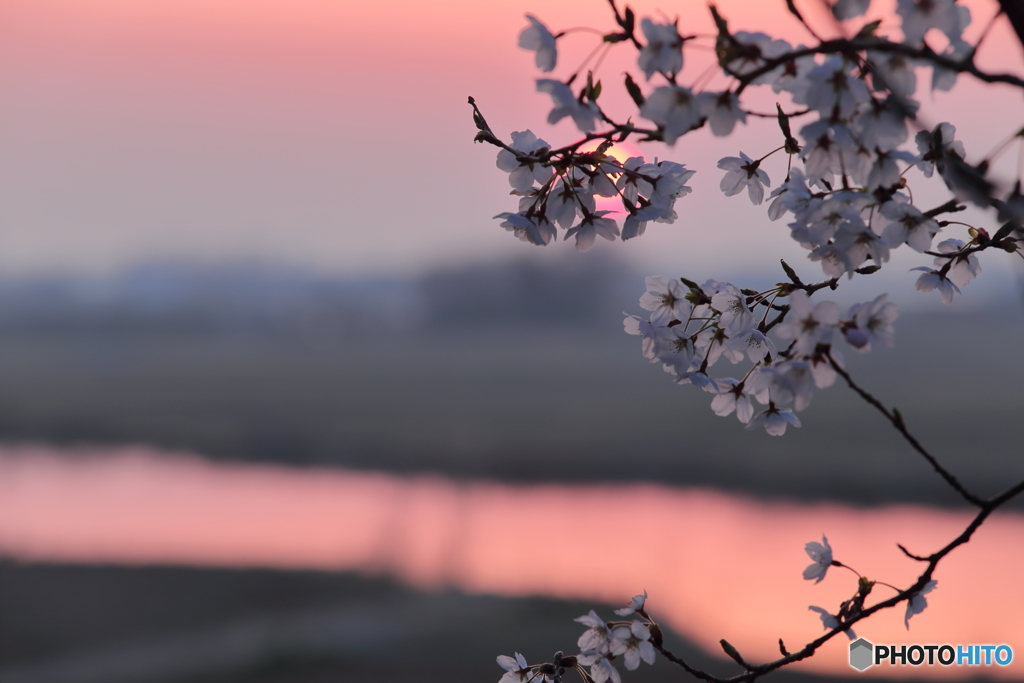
(715, 565)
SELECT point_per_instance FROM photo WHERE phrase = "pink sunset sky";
(335, 136)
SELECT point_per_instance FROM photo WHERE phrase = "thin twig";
(897, 421)
(758, 670)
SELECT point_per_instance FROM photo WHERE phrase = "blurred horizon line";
(169, 284)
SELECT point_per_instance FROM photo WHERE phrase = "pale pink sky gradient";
(335, 135)
(715, 565)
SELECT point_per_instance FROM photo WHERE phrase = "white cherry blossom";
(676, 351)
(791, 77)
(518, 671)
(885, 172)
(538, 38)
(635, 605)
(774, 420)
(674, 108)
(869, 324)
(663, 51)
(833, 90)
(571, 196)
(808, 323)
(919, 16)
(936, 146)
(731, 303)
(750, 341)
(894, 72)
(859, 243)
(907, 225)
(830, 149)
(584, 114)
(760, 47)
(935, 280)
(597, 637)
(633, 643)
(526, 170)
(722, 111)
(666, 299)
(535, 229)
(943, 78)
(601, 669)
(830, 622)
(821, 366)
(743, 172)
(918, 603)
(652, 334)
(883, 124)
(669, 185)
(593, 225)
(821, 556)
(965, 267)
(792, 382)
(732, 397)
(793, 196)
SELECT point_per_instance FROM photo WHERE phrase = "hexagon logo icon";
(862, 654)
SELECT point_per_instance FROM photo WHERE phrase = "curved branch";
(841, 46)
(755, 671)
(897, 421)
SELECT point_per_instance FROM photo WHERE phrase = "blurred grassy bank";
(161, 624)
(439, 375)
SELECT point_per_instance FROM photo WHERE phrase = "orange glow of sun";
(620, 151)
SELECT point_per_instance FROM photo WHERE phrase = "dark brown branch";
(679, 661)
(952, 206)
(791, 6)
(843, 46)
(911, 555)
(622, 131)
(756, 671)
(897, 421)
(1014, 11)
(626, 23)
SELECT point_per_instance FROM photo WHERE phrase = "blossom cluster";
(690, 327)
(562, 192)
(639, 640)
(845, 187)
(869, 215)
(822, 560)
(601, 644)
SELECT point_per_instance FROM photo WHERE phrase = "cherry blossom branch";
(755, 671)
(952, 206)
(728, 330)
(848, 46)
(897, 421)
(798, 284)
(620, 130)
(1001, 240)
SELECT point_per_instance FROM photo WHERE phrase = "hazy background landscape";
(515, 370)
(509, 371)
